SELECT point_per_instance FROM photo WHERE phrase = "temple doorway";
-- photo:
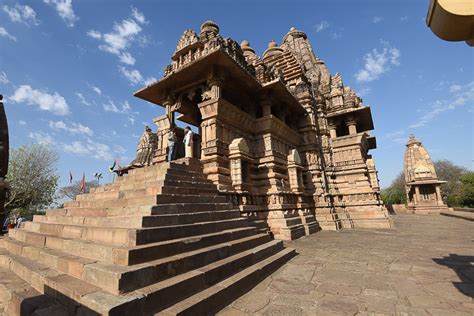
(187, 114)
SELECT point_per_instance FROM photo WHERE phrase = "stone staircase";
(160, 240)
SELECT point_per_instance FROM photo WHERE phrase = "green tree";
(466, 194)
(452, 174)
(32, 178)
(395, 193)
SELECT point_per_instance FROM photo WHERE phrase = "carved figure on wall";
(146, 149)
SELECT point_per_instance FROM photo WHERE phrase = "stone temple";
(281, 152)
(423, 188)
(284, 140)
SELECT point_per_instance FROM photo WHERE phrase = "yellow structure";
(452, 20)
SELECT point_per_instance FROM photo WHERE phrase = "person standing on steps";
(188, 142)
(172, 139)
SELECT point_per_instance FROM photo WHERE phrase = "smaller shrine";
(423, 188)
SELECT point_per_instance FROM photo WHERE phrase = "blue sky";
(68, 70)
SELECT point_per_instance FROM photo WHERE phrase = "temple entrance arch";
(186, 105)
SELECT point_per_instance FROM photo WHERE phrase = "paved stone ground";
(424, 266)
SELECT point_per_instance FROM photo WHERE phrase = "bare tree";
(71, 191)
(32, 177)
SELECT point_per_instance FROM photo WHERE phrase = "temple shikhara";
(423, 188)
(280, 150)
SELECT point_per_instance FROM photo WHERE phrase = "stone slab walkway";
(424, 266)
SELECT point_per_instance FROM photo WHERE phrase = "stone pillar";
(239, 155)
(294, 171)
(164, 124)
(214, 152)
(266, 108)
(417, 195)
(439, 198)
(351, 125)
(332, 131)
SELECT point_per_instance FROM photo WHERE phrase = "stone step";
(83, 298)
(77, 296)
(127, 255)
(169, 292)
(149, 235)
(19, 298)
(178, 198)
(148, 200)
(144, 184)
(119, 279)
(153, 251)
(160, 175)
(107, 235)
(171, 208)
(139, 221)
(124, 202)
(122, 279)
(181, 208)
(53, 259)
(152, 190)
(466, 215)
(130, 236)
(216, 297)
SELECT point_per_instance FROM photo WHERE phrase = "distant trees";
(395, 193)
(457, 191)
(70, 191)
(465, 195)
(32, 178)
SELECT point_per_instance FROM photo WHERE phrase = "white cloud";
(4, 33)
(53, 103)
(123, 34)
(94, 34)
(73, 128)
(399, 137)
(83, 100)
(21, 122)
(377, 19)
(110, 106)
(132, 75)
(21, 14)
(138, 16)
(90, 148)
(321, 26)
(97, 90)
(460, 97)
(455, 88)
(364, 91)
(336, 35)
(126, 58)
(135, 77)
(65, 10)
(404, 18)
(4, 78)
(149, 80)
(42, 138)
(378, 62)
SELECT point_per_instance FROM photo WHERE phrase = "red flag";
(83, 182)
(70, 177)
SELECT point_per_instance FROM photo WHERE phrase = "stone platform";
(423, 266)
(160, 239)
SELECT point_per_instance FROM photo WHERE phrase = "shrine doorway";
(188, 115)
